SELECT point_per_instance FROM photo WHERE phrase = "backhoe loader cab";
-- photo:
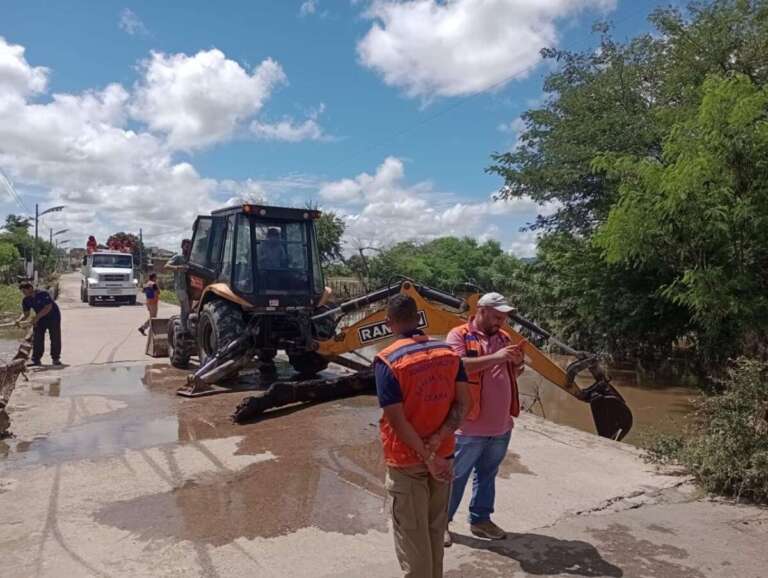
(268, 256)
(254, 272)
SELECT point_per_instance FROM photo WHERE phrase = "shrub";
(727, 451)
(169, 296)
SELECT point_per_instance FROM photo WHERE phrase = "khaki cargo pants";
(419, 519)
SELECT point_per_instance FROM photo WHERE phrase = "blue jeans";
(483, 455)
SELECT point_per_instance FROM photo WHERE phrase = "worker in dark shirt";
(47, 318)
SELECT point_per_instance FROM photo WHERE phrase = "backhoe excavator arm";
(434, 320)
(439, 312)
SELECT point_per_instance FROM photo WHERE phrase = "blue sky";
(384, 111)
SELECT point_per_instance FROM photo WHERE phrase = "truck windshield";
(113, 261)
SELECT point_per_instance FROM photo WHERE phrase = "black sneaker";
(143, 331)
(57, 362)
(34, 363)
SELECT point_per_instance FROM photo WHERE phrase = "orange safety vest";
(426, 371)
(474, 348)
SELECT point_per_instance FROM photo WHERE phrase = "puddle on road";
(328, 473)
(148, 418)
(264, 500)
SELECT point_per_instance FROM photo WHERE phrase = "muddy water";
(9, 342)
(657, 405)
(143, 417)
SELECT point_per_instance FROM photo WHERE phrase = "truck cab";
(108, 275)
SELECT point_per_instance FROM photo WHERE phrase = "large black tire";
(83, 297)
(91, 300)
(132, 300)
(178, 349)
(308, 364)
(220, 323)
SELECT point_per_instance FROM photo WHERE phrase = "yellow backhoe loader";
(256, 286)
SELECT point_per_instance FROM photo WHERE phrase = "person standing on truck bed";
(179, 265)
(422, 389)
(47, 318)
(152, 293)
(492, 363)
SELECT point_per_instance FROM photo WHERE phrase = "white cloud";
(131, 23)
(17, 77)
(87, 151)
(288, 130)
(524, 244)
(434, 48)
(514, 129)
(382, 209)
(202, 99)
(308, 7)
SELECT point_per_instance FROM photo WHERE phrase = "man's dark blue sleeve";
(26, 304)
(461, 375)
(387, 387)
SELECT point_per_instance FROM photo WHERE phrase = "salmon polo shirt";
(496, 395)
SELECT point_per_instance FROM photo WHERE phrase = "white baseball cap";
(497, 301)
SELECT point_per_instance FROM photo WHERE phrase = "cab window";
(199, 253)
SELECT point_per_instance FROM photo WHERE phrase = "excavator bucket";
(613, 418)
(157, 340)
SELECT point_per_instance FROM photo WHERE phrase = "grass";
(10, 301)
(169, 296)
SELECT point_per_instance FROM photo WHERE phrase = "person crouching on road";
(493, 364)
(179, 265)
(152, 294)
(422, 389)
(47, 318)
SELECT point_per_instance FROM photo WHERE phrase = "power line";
(166, 233)
(8, 184)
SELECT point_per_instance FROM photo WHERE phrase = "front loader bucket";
(613, 418)
(157, 340)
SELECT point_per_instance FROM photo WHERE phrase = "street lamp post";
(39, 214)
(59, 252)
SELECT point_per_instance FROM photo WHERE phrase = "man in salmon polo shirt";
(492, 364)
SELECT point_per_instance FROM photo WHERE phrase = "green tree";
(138, 247)
(14, 223)
(447, 263)
(9, 261)
(608, 110)
(702, 211)
(330, 230)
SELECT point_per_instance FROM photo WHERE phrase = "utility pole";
(34, 248)
(38, 214)
(141, 254)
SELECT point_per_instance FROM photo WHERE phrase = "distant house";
(158, 258)
(76, 258)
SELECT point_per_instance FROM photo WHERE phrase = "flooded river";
(657, 406)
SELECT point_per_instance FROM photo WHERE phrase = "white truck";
(108, 275)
